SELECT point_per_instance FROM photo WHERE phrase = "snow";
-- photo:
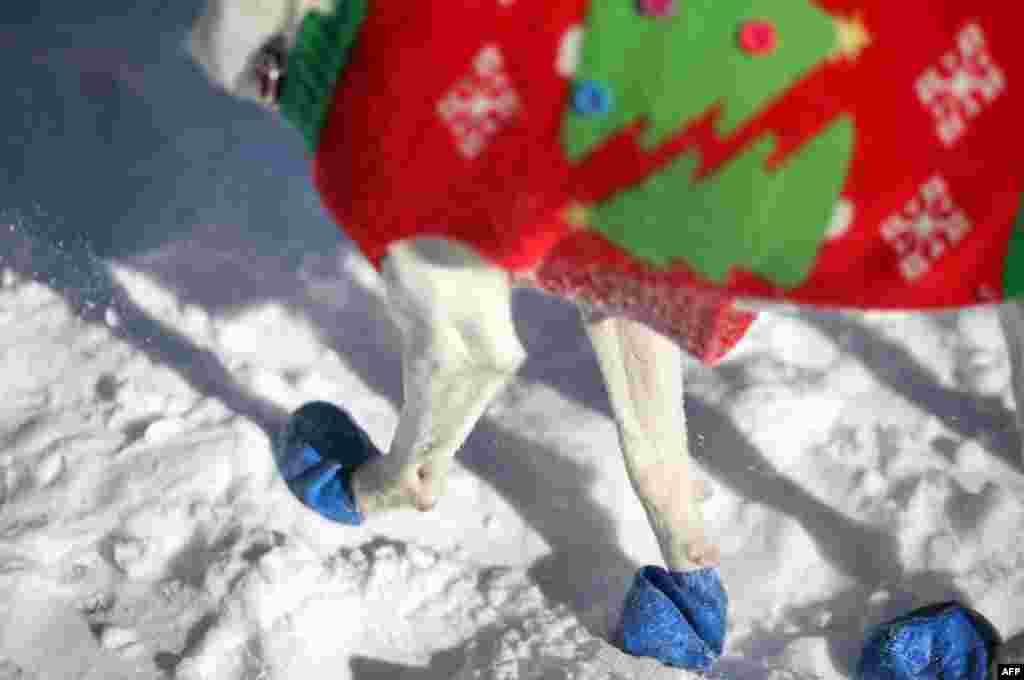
(859, 466)
(145, 534)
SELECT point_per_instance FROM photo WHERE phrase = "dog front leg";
(459, 349)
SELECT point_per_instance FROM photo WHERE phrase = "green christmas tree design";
(669, 72)
(1013, 277)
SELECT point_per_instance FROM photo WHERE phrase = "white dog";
(460, 347)
(460, 350)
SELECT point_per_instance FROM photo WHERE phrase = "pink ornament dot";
(759, 37)
(658, 8)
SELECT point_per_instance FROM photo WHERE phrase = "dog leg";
(643, 374)
(1011, 318)
(460, 349)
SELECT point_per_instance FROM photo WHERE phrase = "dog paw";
(945, 640)
(704, 554)
(318, 451)
(678, 618)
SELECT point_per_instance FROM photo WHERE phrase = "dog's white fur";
(459, 350)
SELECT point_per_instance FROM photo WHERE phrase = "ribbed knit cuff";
(315, 63)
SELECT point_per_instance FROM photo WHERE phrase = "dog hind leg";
(643, 374)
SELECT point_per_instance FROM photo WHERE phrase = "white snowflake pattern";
(929, 225)
(962, 85)
(480, 104)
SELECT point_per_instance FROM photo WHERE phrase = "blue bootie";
(678, 618)
(944, 641)
(318, 451)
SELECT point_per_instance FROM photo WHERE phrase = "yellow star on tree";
(577, 215)
(852, 38)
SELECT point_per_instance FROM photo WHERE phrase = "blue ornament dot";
(592, 99)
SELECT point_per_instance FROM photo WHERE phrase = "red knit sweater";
(448, 122)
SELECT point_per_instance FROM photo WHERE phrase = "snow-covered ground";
(860, 467)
